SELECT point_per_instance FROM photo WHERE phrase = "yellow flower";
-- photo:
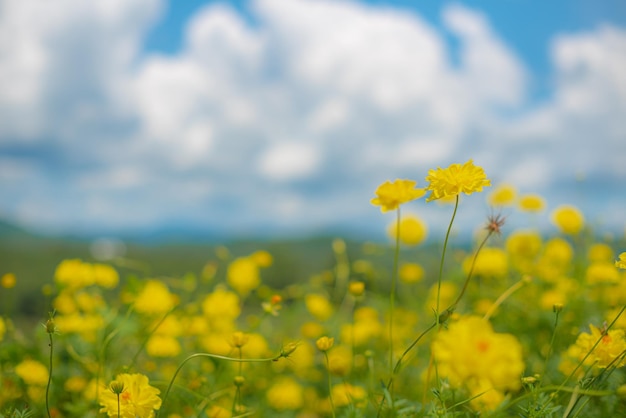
(413, 230)
(32, 372)
(612, 345)
(238, 339)
(221, 304)
(64, 302)
(484, 397)
(155, 298)
(346, 394)
(599, 272)
(600, 252)
(324, 343)
(340, 360)
(243, 275)
(503, 195)
(319, 306)
(471, 355)
(559, 251)
(262, 258)
(216, 411)
(356, 288)
(621, 263)
(555, 261)
(311, 329)
(366, 326)
(74, 273)
(456, 179)
(88, 302)
(160, 345)
(490, 262)
(411, 272)
(568, 219)
(256, 346)
(137, 400)
(448, 293)
(87, 325)
(523, 246)
(75, 384)
(389, 196)
(8, 281)
(285, 395)
(523, 243)
(532, 203)
(170, 326)
(105, 276)
(3, 328)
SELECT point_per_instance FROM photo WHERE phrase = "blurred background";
(153, 119)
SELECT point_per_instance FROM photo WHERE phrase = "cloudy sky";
(283, 116)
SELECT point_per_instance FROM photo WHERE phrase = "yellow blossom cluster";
(597, 348)
(75, 273)
(79, 302)
(412, 230)
(456, 179)
(243, 273)
(130, 396)
(35, 374)
(472, 356)
(389, 196)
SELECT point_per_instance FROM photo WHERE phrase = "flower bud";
(238, 339)
(356, 288)
(116, 387)
(324, 343)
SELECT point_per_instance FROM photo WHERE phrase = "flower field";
(517, 324)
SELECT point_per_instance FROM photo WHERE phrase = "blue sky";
(282, 116)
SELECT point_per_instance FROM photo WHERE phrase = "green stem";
(330, 386)
(118, 405)
(471, 271)
(443, 255)
(392, 294)
(145, 340)
(504, 296)
(49, 375)
(551, 347)
(217, 357)
(396, 369)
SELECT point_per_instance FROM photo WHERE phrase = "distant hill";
(10, 230)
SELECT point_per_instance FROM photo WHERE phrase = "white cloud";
(289, 161)
(314, 104)
(490, 70)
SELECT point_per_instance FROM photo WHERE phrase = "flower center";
(482, 346)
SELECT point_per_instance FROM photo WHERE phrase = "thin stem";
(330, 386)
(392, 295)
(217, 357)
(145, 340)
(551, 347)
(443, 255)
(471, 271)
(504, 296)
(396, 369)
(49, 375)
(118, 405)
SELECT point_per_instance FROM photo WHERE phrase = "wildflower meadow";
(520, 323)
